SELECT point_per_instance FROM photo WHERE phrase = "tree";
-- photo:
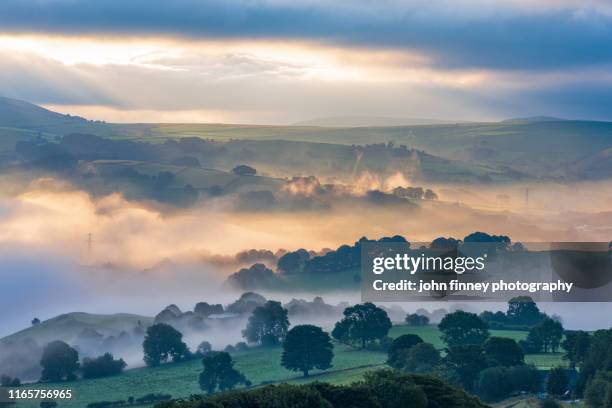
(267, 325)
(35, 321)
(394, 391)
(417, 320)
(598, 358)
(102, 366)
(576, 344)
(162, 342)
(59, 362)
(204, 348)
(293, 262)
(421, 358)
(467, 361)
(546, 336)
(363, 323)
(462, 328)
(395, 354)
(557, 382)
(219, 372)
(599, 390)
(522, 310)
(492, 383)
(307, 347)
(244, 170)
(503, 351)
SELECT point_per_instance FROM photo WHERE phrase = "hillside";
(260, 365)
(70, 325)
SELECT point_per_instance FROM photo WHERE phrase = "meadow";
(260, 365)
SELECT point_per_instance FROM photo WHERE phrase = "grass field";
(260, 365)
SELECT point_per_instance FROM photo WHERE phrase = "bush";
(558, 381)
(102, 366)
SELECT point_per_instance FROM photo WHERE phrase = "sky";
(283, 61)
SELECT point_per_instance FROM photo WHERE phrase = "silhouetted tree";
(522, 310)
(162, 342)
(492, 383)
(422, 358)
(219, 373)
(59, 362)
(400, 345)
(576, 345)
(503, 351)
(467, 361)
(463, 328)
(544, 337)
(267, 325)
(307, 347)
(364, 323)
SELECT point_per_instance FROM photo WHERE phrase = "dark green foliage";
(598, 358)
(399, 345)
(421, 358)
(163, 342)
(59, 362)
(462, 328)
(414, 319)
(392, 390)
(557, 382)
(307, 347)
(219, 373)
(522, 310)
(102, 366)
(576, 344)
(544, 337)
(379, 389)
(492, 383)
(503, 351)
(267, 325)
(525, 378)
(467, 361)
(362, 324)
(598, 391)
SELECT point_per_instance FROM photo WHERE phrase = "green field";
(260, 365)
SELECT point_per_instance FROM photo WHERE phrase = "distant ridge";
(372, 121)
(532, 119)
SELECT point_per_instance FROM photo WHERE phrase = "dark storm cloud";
(461, 33)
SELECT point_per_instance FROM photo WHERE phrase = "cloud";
(458, 33)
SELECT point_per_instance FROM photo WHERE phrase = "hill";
(370, 121)
(19, 114)
(70, 325)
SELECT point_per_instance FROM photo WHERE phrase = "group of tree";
(414, 319)
(382, 388)
(267, 325)
(8, 381)
(60, 362)
(523, 313)
(362, 325)
(493, 367)
(591, 353)
(219, 373)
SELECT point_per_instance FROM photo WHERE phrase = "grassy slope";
(260, 365)
(71, 324)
